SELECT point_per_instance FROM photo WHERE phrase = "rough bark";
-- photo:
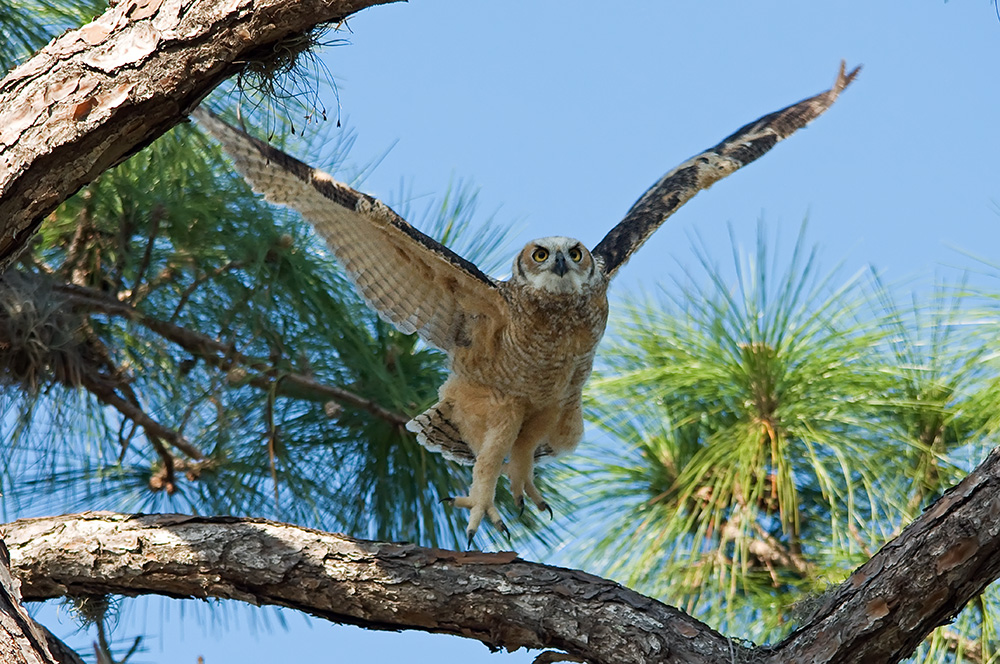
(61, 652)
(95, 95)
(880, 614)
(916, 582)
(22, 640)
(496, 598)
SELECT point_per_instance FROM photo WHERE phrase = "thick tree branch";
(97, 94)
(496, 598)
(22, 640)
(880, 614)
(61, 652)
(916, 582)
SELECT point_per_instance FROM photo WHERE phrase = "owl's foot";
(528, 487)
(540, 504)
(476, 517)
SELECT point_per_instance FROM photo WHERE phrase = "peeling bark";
(22, 640)
(496, 598)
(879, 614)
(95, 95)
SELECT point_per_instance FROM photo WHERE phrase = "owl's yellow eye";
(539, 254)
(575, 254)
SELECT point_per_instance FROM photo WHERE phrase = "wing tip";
(844, 78)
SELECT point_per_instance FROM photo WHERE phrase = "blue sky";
(563, 113)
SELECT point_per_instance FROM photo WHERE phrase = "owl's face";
(555, 264)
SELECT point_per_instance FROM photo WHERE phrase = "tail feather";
(436, 432)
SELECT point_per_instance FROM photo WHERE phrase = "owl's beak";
(560, 266)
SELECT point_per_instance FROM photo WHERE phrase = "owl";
(521, 349)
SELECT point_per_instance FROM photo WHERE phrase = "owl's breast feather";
(543, 353)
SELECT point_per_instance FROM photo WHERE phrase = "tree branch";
(915, 583)
(131, 410)
(223, 356)
(95, 95)
(497, 598)
(22, 640)
(61, 652)
(880, 614)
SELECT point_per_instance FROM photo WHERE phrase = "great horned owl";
(520, 350)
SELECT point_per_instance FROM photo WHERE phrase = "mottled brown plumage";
(522, 349)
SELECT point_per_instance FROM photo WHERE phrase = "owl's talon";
(468, 545)
(502, 527)
(519, 504)
(450, 500)
(544, 507)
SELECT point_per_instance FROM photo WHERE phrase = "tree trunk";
(22, 640)
(879, 614)
(95, 95)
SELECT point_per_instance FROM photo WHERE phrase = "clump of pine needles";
(41, 342)
(286, 73)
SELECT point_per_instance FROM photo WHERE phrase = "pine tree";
(170, 343)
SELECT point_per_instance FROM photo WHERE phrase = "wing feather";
(410, 279)
(746, 144)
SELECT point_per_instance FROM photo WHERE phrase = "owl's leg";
(561, 430)
(521, 471)
(568, 431)
(521, 467)
(498, 433)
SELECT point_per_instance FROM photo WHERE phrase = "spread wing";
(410, 279)
(674, 189)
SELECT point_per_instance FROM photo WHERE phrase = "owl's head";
(555, 264)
